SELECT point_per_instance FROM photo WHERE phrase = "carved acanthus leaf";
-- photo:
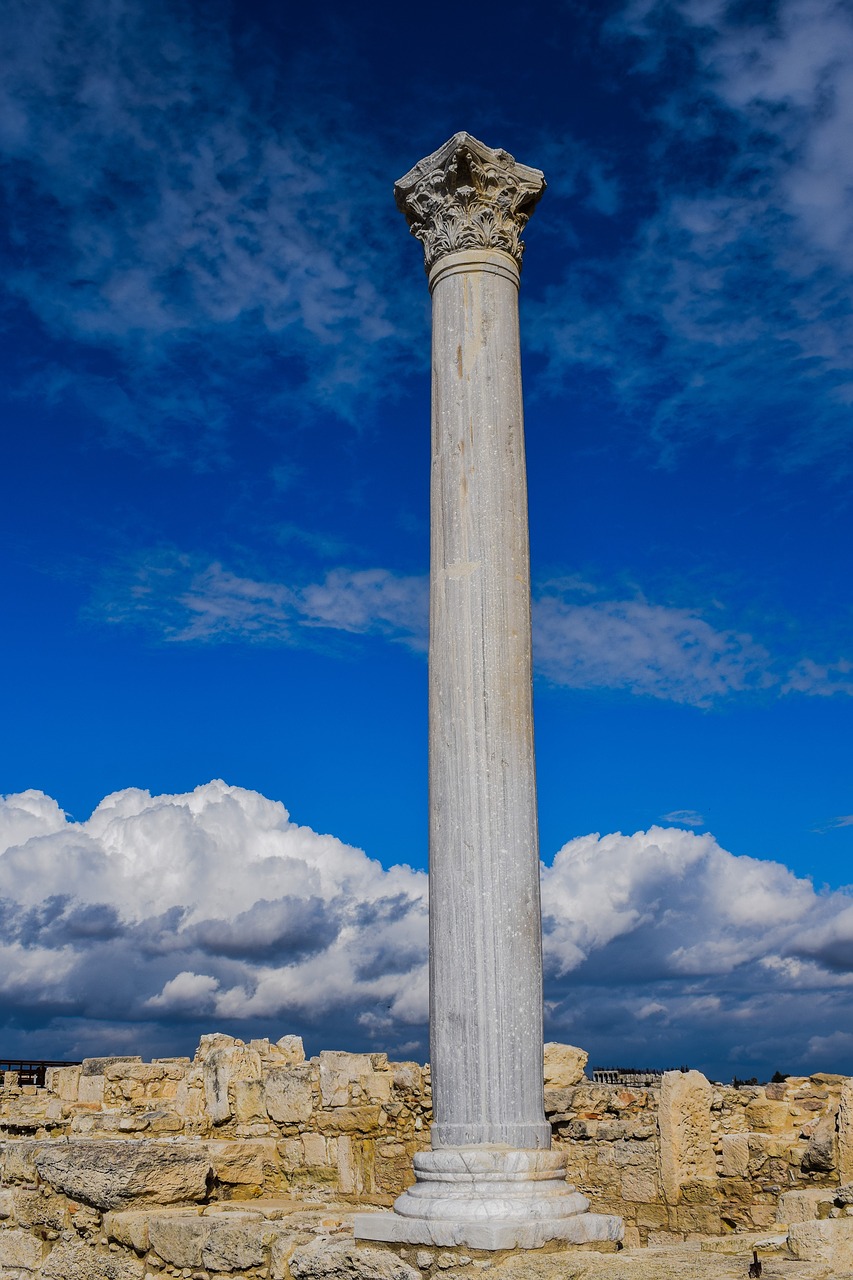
(467, 196)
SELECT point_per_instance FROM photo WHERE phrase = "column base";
(489, 1198)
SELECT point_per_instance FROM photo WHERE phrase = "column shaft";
(485, 933)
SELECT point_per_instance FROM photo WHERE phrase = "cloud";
(843, 820)
(684, 818)
(160, 917)
(188, 223)
(161, 910)
(648, 649)
(725, 309)
(185, 599)
(820, 680)
(682, 943)
(580, 641)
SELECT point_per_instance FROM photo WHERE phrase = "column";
(491, 1180)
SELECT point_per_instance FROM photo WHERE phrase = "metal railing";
(31, 1070)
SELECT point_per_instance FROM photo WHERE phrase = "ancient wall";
(116, 1146)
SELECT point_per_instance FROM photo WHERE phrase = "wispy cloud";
(160, 209)
(582, 638)
(821, 680)
(684, 818)
(184, 598)
(649, 649)
(727, 311)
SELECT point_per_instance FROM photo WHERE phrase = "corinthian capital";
(467, 196)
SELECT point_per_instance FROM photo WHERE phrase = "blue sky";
(215, 424)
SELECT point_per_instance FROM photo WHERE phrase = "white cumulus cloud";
(161, 917)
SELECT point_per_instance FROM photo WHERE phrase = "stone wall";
(255, 1129)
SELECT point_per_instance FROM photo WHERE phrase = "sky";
(214, 397)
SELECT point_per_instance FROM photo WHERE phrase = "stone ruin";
(249, 1161)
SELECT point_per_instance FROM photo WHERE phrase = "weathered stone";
(114, 1174)
(348, 1120)
(829, 1242)
(73, 1260)
(64, 1082)
(639, 1186)
(19, 1251)
(179, 1238)
(734, 1155)
(684, 1117)
(292, 1048)
(314, 1149)
(235, 1242)
(821, 1156)
(289, 1094)
(345, 1260)
(803, 1205)
(222, 1066)
(563, 1065)
(34, 1210)
(17, 1160)
(98, 1066)
(128, 1227)
(845, 1132)
(241, 1163)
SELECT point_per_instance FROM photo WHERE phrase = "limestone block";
(734, 1155)
(348, 1120)
(249, 1102)
(291, 1153)
(289, 1094)
(314, 1149)
(74, 1260)
(19, 1251)
(821, 1153)
(346, 1260)
(564, 1065)
(235, 1241)
(91, 1089)
(338, 1071)
(698, 1220)
(98, 1066)
(845, 1132)
(376, 1086)
(7, 1204)
(684, 1119)
(40, 1212)
(347, 1169)
(292, 1048)
(221, 1067)
(241, 1162)
(285, 1241)
(64, 1082)
(408, 1077)
(767, 1115)
(189, 1096)
(654, 1216)
(214, 1040)
(142, 1080)
(804, 1205)
(115, 1173)
(639, 1186)
(179, 1238)
(829, 1242)
(128, 1227)
(17, 1160)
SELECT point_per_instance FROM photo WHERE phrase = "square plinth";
(581, 1228)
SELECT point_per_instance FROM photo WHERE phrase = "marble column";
(491, 1180)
